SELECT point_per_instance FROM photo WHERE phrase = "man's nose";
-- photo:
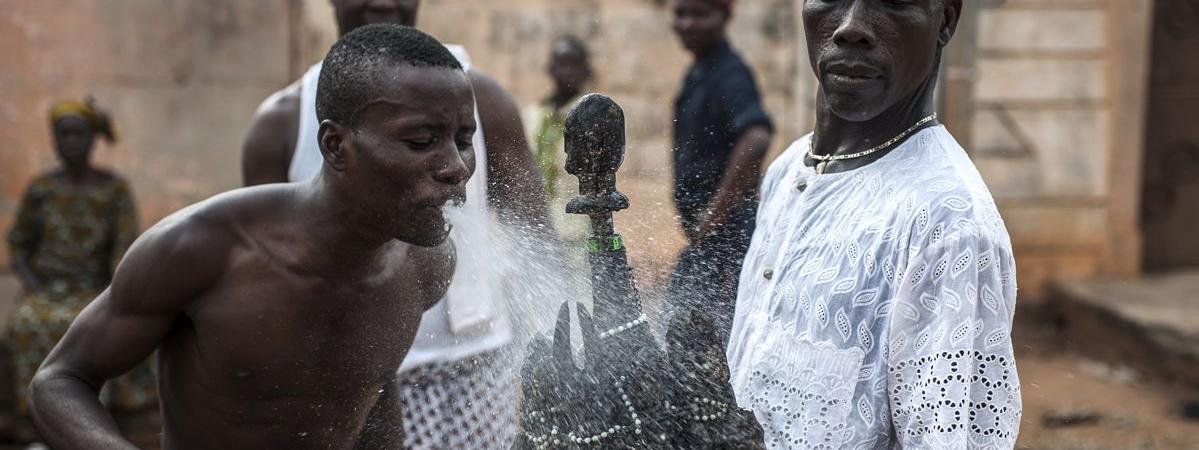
(453, 168)
(854, 25)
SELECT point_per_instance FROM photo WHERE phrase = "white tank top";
(469, 320)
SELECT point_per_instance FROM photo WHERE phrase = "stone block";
(1041, 80)
(1048, 225)
(1033, 153)
(1042, 30)
(1036, 268)
(1146, 323)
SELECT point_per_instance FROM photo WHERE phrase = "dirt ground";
(1114, 409)
(1126, 412)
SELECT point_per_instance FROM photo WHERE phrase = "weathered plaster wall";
(181, 79)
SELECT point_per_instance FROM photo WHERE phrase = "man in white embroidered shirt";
(876, 300)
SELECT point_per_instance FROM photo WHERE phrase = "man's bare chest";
(263, 329)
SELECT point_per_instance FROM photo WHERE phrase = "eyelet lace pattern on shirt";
(802, 393)
(960, 399)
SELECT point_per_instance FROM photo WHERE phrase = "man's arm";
(163, 272)
(513, 182)
(949, 345)
(269, 146)
(747, 120)
(737, 183)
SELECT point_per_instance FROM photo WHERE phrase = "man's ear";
(951, 11)
(334, 141)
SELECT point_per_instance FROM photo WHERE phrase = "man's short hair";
(349, 76)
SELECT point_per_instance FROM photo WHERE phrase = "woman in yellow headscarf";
(74, 224)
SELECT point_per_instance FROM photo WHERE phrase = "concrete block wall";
(1043, 134)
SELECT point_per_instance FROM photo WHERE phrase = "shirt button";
(768, 274)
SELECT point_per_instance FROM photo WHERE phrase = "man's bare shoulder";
(271, 141)
(219, 220)
(283, 104)
(186, 253)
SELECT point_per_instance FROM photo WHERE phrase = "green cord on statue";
(608, 244)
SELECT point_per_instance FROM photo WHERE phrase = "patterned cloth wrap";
(72, 236)
(467, 404)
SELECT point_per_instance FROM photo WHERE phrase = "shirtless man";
(456, 382)
(280, 312)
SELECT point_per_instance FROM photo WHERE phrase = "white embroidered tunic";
(875, 306)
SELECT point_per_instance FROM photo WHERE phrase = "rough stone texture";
(1043, 29)
(1067, 149)
(1147, 323)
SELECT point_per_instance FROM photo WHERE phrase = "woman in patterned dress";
(74, 224)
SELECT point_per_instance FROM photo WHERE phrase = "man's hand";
(705, 226)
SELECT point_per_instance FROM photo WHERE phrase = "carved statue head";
(594, 137)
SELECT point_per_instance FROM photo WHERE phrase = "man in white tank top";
(457, 381)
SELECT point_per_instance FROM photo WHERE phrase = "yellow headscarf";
(87, 110)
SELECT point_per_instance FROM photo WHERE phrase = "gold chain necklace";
(825, 159)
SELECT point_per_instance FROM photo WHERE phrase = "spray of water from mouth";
(535, 272)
